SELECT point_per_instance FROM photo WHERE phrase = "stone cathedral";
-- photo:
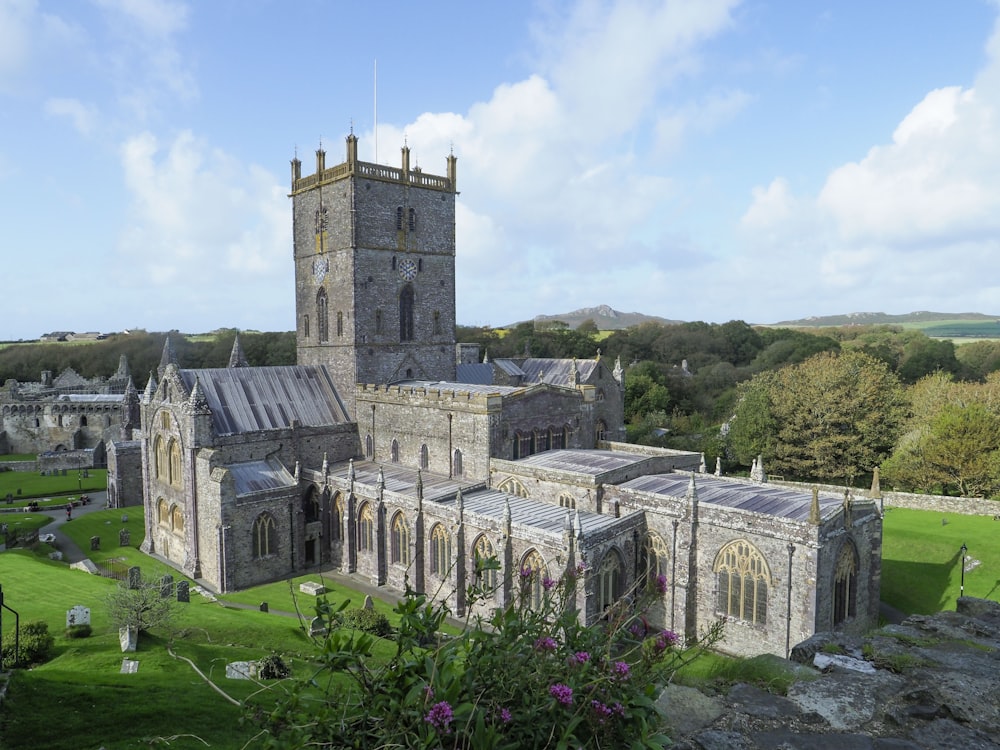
(393, 454)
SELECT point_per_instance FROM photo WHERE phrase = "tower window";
(406, 313)
(322, 316)
(412, 219)
(305, 326)
(340, 324)
(393, 262)
(399, 217)
(437, 321)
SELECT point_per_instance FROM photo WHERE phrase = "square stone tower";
(374, 250)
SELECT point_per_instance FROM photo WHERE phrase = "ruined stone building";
(393, 454)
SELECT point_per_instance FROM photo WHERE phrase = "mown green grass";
(921, 559)
(27, 484)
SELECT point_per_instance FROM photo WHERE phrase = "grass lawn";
(28, 484)
(921, 559)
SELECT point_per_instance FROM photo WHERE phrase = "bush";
(368, 621)
(35, 645)
(273, 667)
(78, 631)
(530, 675)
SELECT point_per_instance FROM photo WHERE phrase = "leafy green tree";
(832, 417)
(645, 391)
(979, 358)
(142, 607)
(753, 429)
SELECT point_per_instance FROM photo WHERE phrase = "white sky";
(698, 160)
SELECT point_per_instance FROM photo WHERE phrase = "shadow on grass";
(921, 587)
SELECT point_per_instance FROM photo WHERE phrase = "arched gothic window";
(322, 316)
(424, 458)
(394, 451)
(369, 446)
(845, 584)
(440, 551)
(567, 501)
(265, 536)
(174, 451)
(609, 580)
(655, 558)
(311, 506)
(600, 431)
(483, 550)
(162, 462)
(399, 548)
(513, 487)
(406, 313)
(338, 517)
(176, 520)
(305, 326)
(162, 513)
(366, 529)
(456, 465)
(742, 576)
(532, 574)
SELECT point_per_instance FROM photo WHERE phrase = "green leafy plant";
(367, 620)
(77, 631)
(528, 675)
(32, 645)
(273, 667)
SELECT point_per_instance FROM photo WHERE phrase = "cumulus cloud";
(82, 115)
(200, 215)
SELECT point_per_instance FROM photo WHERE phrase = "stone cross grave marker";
(78, 615)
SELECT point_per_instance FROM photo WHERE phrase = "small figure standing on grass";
(69, 511)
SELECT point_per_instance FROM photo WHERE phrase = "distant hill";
(883, 319)
(606, 318)
(966, 325)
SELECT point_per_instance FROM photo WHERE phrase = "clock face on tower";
(320, 268)
(407, 269)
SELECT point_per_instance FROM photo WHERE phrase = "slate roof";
(480, 373)
(766, 499)
(254, 476)
(556, 371)
(447, 386)
(591, 462)
(401, 479)
(253, 399)
(527, 513)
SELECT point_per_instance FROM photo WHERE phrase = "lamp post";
(961, 587)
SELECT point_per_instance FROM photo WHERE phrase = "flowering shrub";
(525, 677)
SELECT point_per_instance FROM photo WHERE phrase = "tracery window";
(162, 467)
(609, 580)
(513, 487)
(742, 575)
(406, 313)
(567, 501)
(322, 316)
(424, 457)
(399, 547)
(655, 558)
(440, 551)
(845, 584)
(338, 517)
(457, 463)
(265, 536)
(176, 520)
(366, 528)
(483, 550)
(174, 451)
(162, 512)
(369, 446)
(532, 575)
(394, 451)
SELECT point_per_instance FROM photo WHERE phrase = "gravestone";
(124, 517)
(129, 666)
(128, 638)
(95, 543)
(78, 615)
(134, 577)
(317, 626)
(242, 670)
(183, 594)
(166, 586)
(123, 538)
(369, 604)
(263, 607)
(312, 588)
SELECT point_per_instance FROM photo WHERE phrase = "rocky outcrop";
(930, 682)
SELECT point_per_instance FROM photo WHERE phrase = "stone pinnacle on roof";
(578, 525)
(237, 358)
(702, 468)
(814, 508)
(486, 356)
(420, 485)
(147, 395)
(123, 372)
(876, 490)
(169, 356)
(692, 491)
(326, 465)
(197, 401)
(380, 482)
(618, 372)
(350, 473)
(460, 502)
(718, 466)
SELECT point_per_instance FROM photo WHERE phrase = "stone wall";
(967, 506)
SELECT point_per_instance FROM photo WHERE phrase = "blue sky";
(699, 160)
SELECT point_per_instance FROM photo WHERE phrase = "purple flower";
(440, 716)
(504, 715)
(525, 574)
(428, 693)
(620, 670)
(618, 708)
(562, 693)
(666, 639)
(545, 644)
(661, 584)
(547, 583)
(600, 710)
(581, 657)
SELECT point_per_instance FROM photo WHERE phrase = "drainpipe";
(788, 604)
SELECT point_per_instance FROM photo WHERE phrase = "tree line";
(824, 404)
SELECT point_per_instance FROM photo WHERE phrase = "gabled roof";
(556, 371)
(592, 462)
(479, 374)
(766, 499)
(255, 476)
(254, 399)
